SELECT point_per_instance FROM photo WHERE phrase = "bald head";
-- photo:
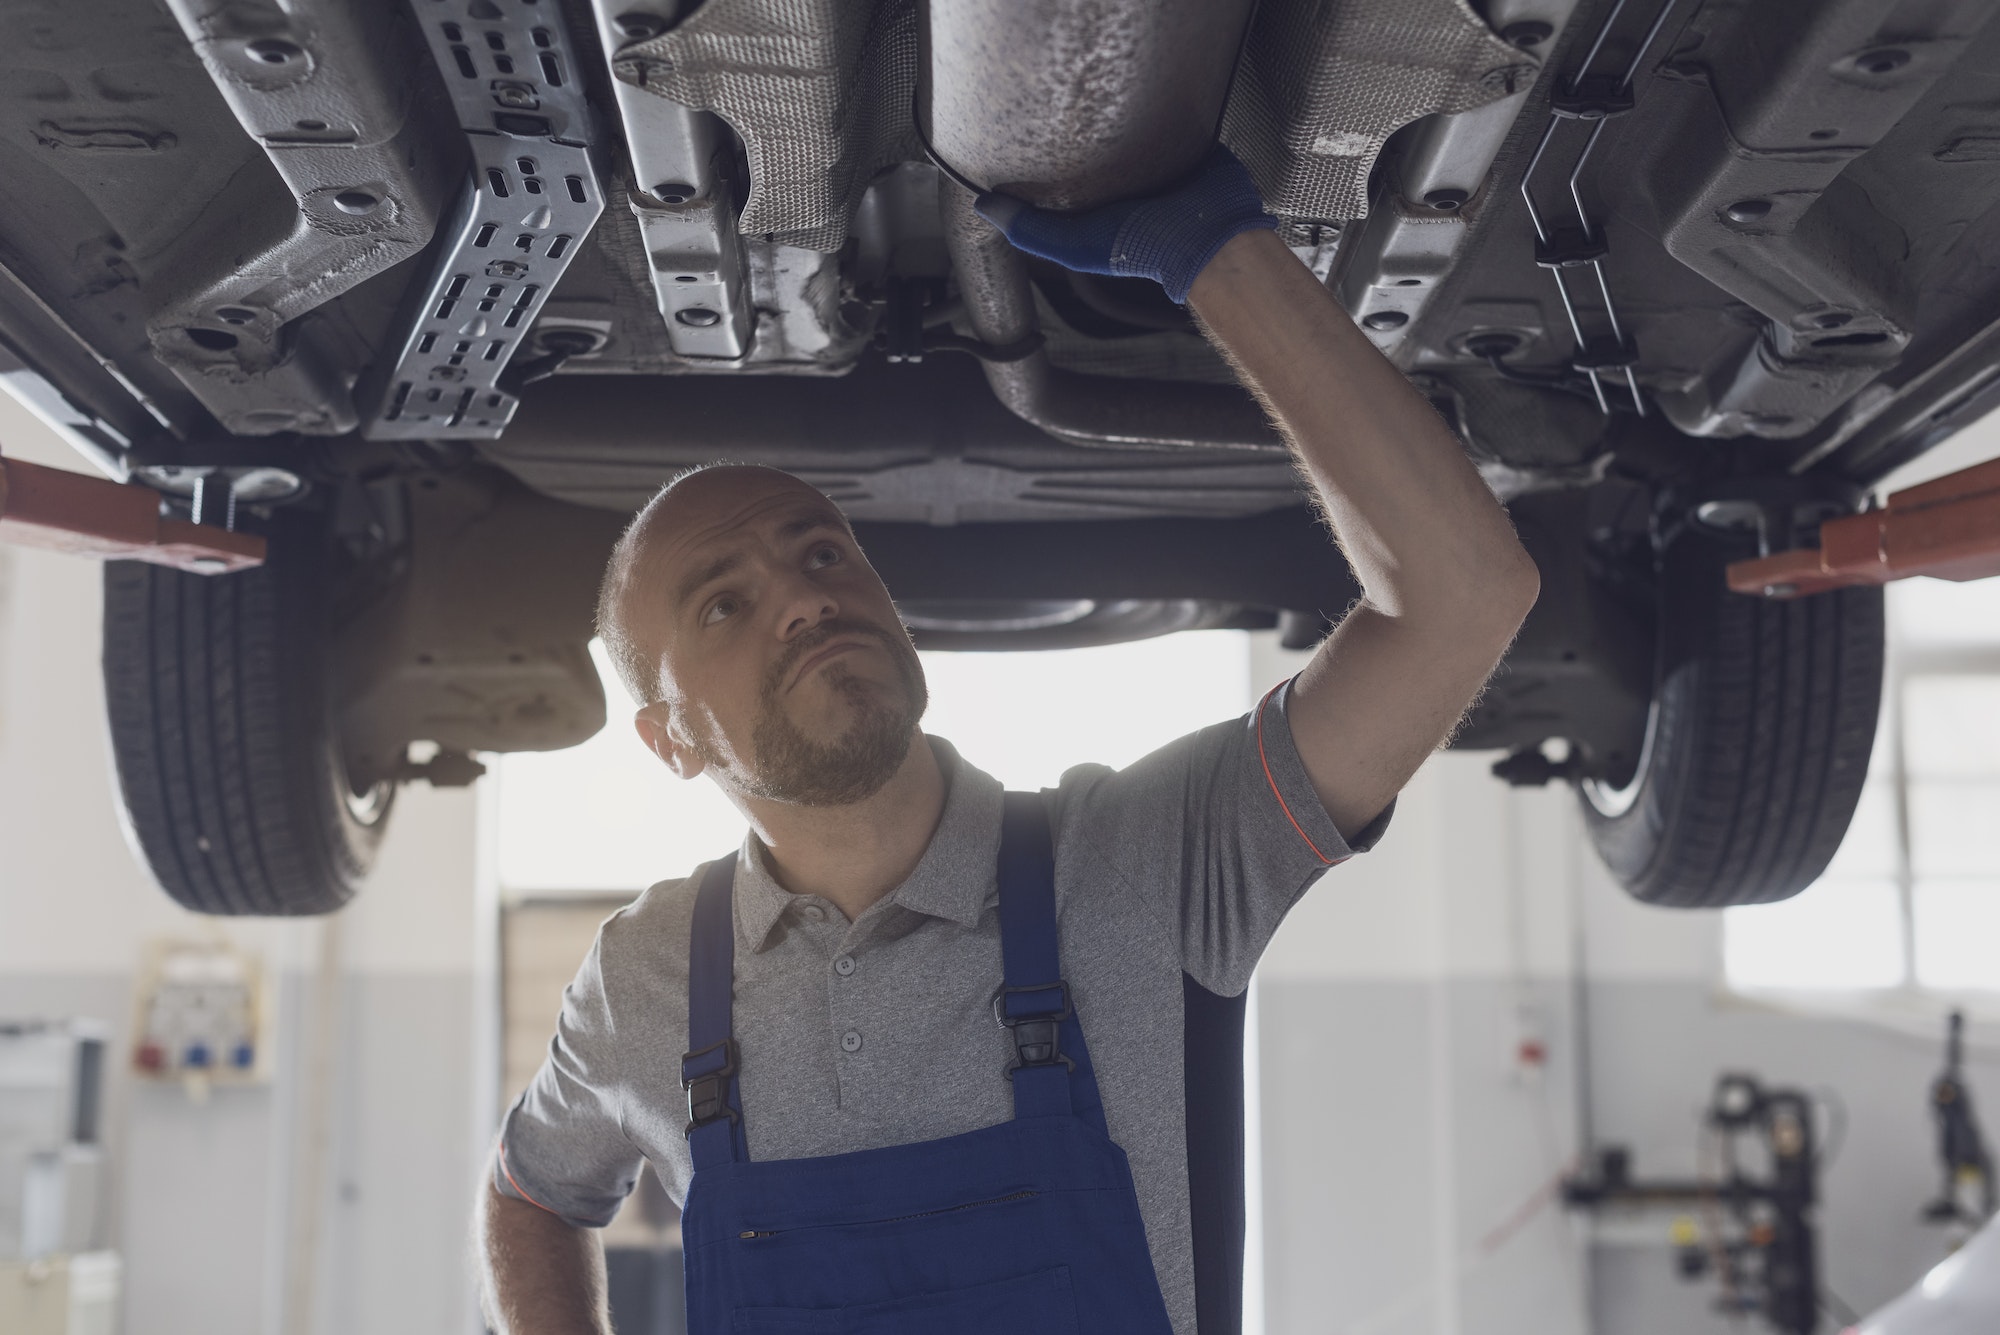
(663, 544)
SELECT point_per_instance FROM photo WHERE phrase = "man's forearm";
(1416, 522)
(542, 1275)
(1446, 582)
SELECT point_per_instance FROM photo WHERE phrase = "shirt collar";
(955, 880)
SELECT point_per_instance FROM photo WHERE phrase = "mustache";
(818, 638)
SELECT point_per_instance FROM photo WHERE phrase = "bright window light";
(1835, 934)
(1925, 827)
(608, 816)
(1025, 718)
(1939, 613)
(1958, 933)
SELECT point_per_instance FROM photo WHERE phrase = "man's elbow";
(1516, 587)
(1497, 599)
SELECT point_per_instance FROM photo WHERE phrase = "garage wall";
(1409, 1148)
(1409, 1154)
(203, 1199)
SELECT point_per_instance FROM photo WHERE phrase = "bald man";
(801, 1038)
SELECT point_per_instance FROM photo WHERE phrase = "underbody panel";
(1641, 254)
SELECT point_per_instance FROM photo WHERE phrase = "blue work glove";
(1169, 238)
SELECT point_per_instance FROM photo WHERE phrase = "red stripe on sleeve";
(508, 1173)
(1270, 779)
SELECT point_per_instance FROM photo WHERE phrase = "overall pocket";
(1030, 1305)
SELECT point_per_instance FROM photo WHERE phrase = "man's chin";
(848, 757)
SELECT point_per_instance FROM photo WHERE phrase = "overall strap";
(708, 1071)
(1051, 1072)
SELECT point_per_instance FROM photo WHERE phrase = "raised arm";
(539, 1274)
(1445, 583)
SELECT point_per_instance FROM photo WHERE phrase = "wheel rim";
(369, 806)
(1612, 802)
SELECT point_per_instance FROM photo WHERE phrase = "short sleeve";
(1224, 826)
(562, 1145)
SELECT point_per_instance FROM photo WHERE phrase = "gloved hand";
(1169, 238)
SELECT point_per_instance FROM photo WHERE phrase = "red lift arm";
(94, 516)
(1948, 529)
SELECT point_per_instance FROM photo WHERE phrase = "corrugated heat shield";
(1320, 88)
(821, 92)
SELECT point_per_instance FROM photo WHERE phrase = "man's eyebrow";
(805, 524)
(722, 565)
(708, 574)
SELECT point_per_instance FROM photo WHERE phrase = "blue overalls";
(1028, 1226)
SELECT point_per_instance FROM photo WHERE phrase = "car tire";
(218, 694)
(1762, 721)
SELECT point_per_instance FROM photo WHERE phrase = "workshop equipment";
(94, 516)
(1948, 528)
(51, 1096)
(1759, 1238)
(1968, 1167)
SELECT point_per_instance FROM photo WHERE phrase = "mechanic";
(860, 1146)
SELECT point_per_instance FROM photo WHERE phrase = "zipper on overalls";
(897, 1219)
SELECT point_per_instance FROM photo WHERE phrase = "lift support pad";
(94, 516)
(1948, 529)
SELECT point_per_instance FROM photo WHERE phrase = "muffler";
(1069, 104)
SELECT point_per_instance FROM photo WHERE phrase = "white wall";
(1409, 1160)
(202, 1197)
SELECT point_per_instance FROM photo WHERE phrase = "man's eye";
(823, 557)
(717, 610)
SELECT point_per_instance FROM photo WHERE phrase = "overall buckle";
(708, 1091)
(1037, 1034)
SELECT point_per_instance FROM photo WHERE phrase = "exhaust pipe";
(1070, 105)
(1073, 103)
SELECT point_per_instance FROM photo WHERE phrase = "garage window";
(607, 817)
(1913, 896)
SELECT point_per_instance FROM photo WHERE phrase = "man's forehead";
(721, 509)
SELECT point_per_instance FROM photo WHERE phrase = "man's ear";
(654, 725)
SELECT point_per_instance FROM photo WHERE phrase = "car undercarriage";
(437, 292)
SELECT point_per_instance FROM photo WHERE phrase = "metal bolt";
(639, 26)
(255, 485)
(1832, 319)
(698, 317)
(674, 192)
(235, 314)
(1882, 60)
(1527, 34)
(1385, 320)
(1780, 590)
(272, 51)
(1730, 516)
(1747, 210)
(1447, 201)
(356, 201)
(1494, 343)
(506, 269)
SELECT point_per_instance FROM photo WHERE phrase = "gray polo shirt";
(880, 1031)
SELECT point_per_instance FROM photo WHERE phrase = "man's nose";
(806, 604)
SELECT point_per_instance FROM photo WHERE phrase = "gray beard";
(791, 767)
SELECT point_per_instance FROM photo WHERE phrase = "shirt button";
(850, 1041)
(844, 965)
(813, 913)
